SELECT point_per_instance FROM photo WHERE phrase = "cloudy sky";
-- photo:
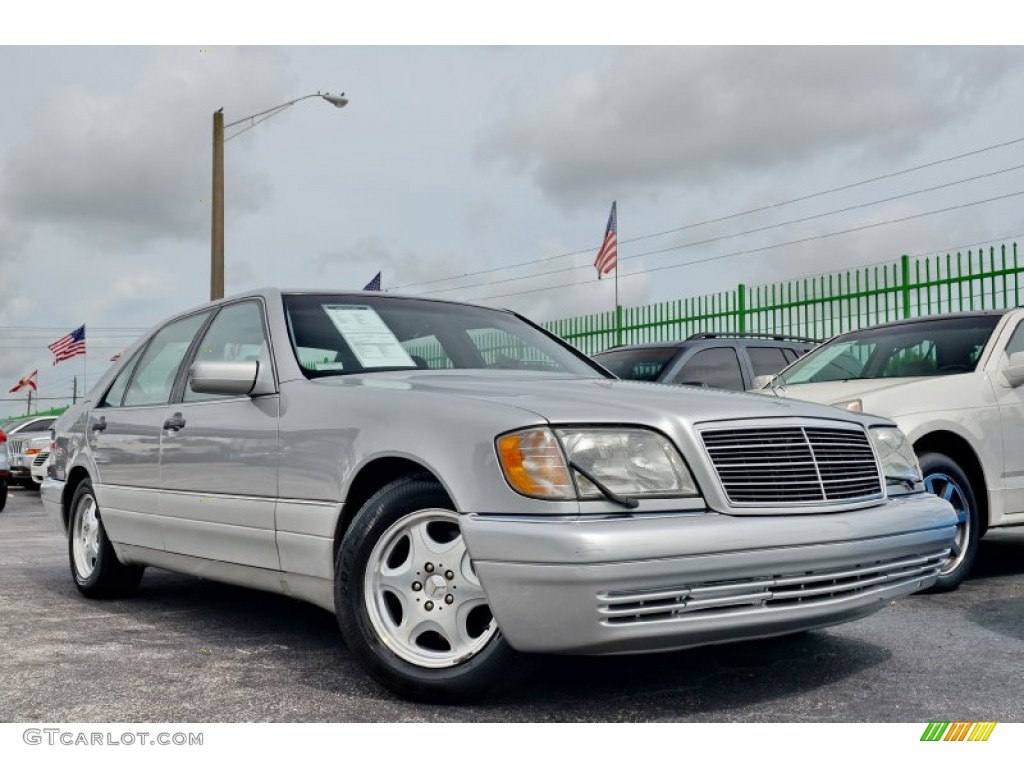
(479, 173)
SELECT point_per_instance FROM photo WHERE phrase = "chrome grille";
(14, 446)
(764, 593)
(787, 465)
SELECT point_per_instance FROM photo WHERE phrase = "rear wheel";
(409, 602)
(944, 477)
(94, 565)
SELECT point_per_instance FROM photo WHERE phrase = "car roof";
(708, 341)
(930, 319)
(14, 424)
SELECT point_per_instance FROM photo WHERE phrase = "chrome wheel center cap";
(436, 587)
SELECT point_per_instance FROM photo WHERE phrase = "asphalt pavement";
(188, 650)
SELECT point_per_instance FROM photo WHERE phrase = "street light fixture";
(217, 227)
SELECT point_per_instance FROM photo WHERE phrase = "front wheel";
(944, 477)
(409, 602)
(94, 565)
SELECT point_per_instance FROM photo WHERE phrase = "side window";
(766, 360)
(155, 374)
(1016, 343)
(717, 367)
(116, 392)
(236, 333)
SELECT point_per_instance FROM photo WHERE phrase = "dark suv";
(720, 361)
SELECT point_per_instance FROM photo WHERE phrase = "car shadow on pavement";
(1000, 553)
(172, 613)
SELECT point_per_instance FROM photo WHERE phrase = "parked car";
(22, 450)
(39, 452)
(5, 470)
(953, 384)
(406, 464)
(720, 361)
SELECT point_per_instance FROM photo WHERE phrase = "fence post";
(618, 325)
(741, 291)
(905, 284)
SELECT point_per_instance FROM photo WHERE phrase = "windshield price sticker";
(372, 342)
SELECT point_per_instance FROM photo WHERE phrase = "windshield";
(637, 364)
(926, 348)
(336, 334)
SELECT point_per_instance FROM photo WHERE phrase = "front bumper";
(52, 494)
(665, 581)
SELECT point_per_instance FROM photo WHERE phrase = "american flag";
(373, 285)
(28, 382)
(608, 256)
(69, 346)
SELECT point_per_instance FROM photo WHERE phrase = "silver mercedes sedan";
(463, 489)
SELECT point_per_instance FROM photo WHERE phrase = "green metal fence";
(817, 307)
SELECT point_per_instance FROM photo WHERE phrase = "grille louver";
(787, 465)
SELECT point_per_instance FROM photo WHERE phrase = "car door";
(124, 433)
(1011, 418)
(219, 459)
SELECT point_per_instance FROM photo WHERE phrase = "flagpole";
(85, 365)
(618, 309)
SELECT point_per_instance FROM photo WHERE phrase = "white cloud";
(132, 166)
(655, 118)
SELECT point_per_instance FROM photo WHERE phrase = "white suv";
(953, 384)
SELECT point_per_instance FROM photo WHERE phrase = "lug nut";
(449, 599)
(429, 605)
(416, 586)
(449, 575)
(429, 567)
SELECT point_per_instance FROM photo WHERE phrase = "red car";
(5, 469)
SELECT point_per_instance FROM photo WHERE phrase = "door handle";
(99, 426)
(174, 423)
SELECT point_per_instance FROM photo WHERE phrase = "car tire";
(94, 565)
(944, 477)
(3, 494)
(401, 565)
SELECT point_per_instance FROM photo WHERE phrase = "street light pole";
(217, 225)
(217, 231)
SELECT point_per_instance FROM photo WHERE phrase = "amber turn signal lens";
(534, 465)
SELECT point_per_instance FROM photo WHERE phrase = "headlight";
(629, 462)
(896, 454)
(857, 406)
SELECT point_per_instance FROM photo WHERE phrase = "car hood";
(829, 392)
(898, 397)
(570, 399)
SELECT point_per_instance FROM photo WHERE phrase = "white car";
(22, 450)
(953, 384)
(38, 451)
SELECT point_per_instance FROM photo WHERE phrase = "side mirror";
(762, 381)
(1014, 372)
(224, 377)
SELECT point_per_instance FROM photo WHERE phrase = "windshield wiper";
(626, 501)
